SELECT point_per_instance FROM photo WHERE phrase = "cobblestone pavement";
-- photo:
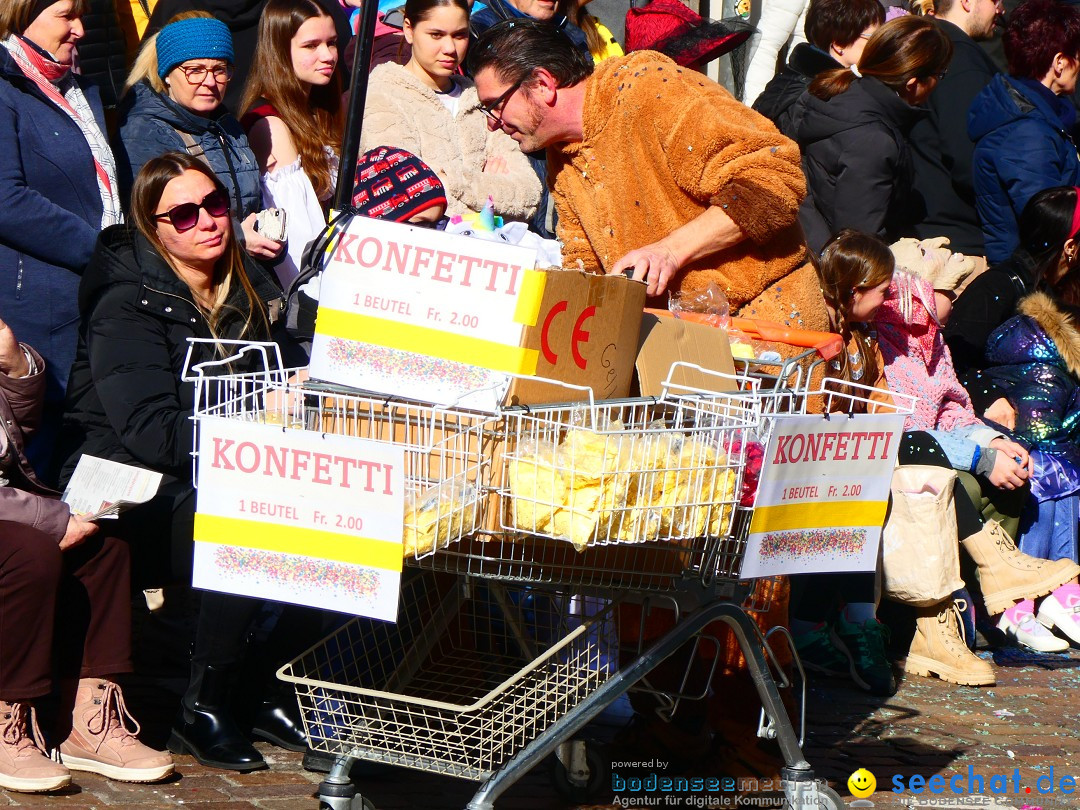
(1024, 725)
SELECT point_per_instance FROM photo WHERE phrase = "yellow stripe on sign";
(532, 293)
(422, 340)
(298, 540)
(817, 516)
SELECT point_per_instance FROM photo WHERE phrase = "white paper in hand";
(102, 489)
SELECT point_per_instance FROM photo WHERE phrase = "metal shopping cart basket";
(536, 523)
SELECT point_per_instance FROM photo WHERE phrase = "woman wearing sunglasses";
(428, 108)
(175, 273)
(173, 101)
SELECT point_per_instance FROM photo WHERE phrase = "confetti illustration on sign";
(406, 366)
(295, 571)
(803, 543)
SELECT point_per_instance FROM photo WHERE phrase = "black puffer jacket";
(103, 50)
(858, 163)
(125, 400)
(986, 304)
(781, 101)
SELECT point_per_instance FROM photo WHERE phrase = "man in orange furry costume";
(656, 169)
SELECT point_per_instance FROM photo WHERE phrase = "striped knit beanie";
(197, 38)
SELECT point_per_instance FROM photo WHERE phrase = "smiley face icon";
(862, 783)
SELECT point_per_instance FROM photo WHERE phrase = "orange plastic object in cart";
(826, 344)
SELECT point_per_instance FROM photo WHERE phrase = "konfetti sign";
(424, 314)
(299, 516)
(823, 494)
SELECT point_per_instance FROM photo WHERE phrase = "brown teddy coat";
(661, 145)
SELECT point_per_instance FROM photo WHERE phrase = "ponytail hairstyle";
(903, 49)
(144, 68)
(315, 119)
(146, 193)
(1045, 225)
(852, 262)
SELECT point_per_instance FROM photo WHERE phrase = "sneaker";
(1061, 610)
(100, 741)
(818, 653)
(864, 646)
(24, 767)
(1018, 623)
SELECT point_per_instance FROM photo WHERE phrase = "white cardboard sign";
(823, 494)
(424, 314)
(298, 516)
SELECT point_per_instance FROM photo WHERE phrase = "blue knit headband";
(197, 38)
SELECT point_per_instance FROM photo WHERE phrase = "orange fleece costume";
(661, 144)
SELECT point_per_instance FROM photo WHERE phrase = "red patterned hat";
(674, 30)
(395, 184)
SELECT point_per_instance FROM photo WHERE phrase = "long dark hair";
(903, 49)
(315, 120)
(146, 193)
(1045, 226)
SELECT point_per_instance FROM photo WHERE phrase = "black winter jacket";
(942, 150)
(781, 101)
(103, 50)
(857, 163)
(125, 399)
(986, 304)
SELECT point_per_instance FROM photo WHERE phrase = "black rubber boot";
(277, 720)
(205, 727)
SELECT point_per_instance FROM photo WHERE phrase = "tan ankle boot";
(100, 741)
(938, 648)
(24, 767)
(1007, 575)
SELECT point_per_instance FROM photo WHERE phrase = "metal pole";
(354, 118)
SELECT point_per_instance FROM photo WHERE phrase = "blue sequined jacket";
(1035, 358)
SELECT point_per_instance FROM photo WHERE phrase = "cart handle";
(196, 372)
(826, 344)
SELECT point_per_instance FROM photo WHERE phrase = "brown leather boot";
(1007, 575)
(24, 767)
(938, 648)
(100, 741)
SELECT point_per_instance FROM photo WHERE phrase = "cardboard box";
(665, 340)
(449, 319)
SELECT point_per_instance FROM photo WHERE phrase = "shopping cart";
(529, 528)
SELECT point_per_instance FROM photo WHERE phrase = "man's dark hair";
(840, 21)
(515, 48)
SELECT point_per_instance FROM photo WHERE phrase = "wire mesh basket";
(446, 463)
(636, 494)
(470, 674)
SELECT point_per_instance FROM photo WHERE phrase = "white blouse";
(289, 188)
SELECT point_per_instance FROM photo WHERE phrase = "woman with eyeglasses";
(176, 272)
(428, 108)
(173, 101)
(854, 133)
(58, 190)
(293, 115)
